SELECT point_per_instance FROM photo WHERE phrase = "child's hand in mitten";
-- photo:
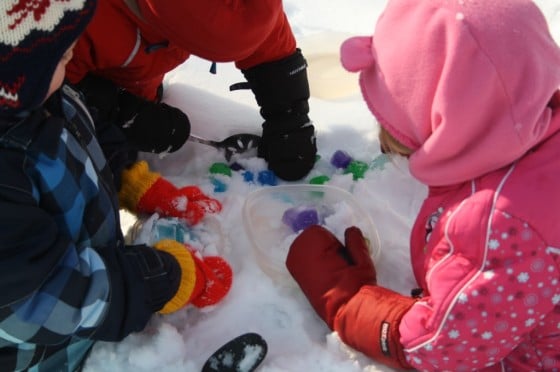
(204, 280)
(281, 89)
(143, 191)
(153, 127)
(328, 272)
(339, 280)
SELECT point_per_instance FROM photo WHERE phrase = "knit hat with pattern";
(34, 35)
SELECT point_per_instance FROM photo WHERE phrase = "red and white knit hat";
(34, 35)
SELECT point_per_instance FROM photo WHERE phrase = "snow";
(259, 301)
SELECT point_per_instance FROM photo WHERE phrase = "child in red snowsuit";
(149, 38)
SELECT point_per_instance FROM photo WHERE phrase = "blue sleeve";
(49, 290)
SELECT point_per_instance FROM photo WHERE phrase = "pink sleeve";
(487, 292)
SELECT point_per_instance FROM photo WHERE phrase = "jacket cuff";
(370, 322)
(159, 271)
(189, 274)
(136, 180)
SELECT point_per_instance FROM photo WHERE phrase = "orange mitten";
(204, 281)
(144, 191)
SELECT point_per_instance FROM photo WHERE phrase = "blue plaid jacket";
(66, 278)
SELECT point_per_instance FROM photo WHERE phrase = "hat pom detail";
(356, 54)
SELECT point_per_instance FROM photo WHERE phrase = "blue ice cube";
(267, 177)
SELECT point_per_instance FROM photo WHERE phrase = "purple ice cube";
(341, 159)
(298, 218)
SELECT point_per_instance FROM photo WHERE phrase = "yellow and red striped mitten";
(143, 191)
(204, 281)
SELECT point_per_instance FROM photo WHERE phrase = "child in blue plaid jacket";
(66, 277)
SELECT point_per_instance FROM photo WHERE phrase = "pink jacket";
(486, 254)
(471, 86)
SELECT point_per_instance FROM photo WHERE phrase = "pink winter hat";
(465, 84)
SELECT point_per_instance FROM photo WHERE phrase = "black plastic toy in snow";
(242, 354)
(234, 144)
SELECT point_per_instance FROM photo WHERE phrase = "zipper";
(84, 116)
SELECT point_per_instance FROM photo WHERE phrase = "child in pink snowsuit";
(468, 91)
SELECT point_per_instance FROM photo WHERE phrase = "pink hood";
(464, 83)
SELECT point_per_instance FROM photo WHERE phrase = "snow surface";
(260, 302)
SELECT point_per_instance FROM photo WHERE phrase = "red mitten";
(217, 280)
(328, 272)
(143, 191)
(204, 281)
(340, 283)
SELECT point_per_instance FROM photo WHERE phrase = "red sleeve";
(78, 68)
(98, 49)
(245, 32)
(280, 43)
(122, 51)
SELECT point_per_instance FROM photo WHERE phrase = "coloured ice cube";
(248, 176)
(298, 218)
(170, 228)
(319, 180)
(267, 177)
(357, 169)
(219, 186)
(341, 159)
(220, 168)
(235, 166)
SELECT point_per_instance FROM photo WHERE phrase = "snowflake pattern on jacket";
(491, 282)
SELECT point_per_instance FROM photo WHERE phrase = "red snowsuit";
(136, 54)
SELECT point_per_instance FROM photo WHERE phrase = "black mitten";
(152, 127)
(101, 97)
(149, 126)
(288, 138)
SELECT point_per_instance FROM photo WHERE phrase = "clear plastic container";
(271, 238)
